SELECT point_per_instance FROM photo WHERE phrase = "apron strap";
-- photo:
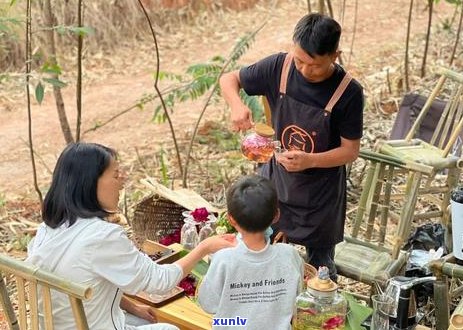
(285, 72)
(338, 92)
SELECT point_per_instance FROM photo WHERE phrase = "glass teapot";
(259, 145)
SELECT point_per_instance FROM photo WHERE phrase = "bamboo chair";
(422, 160)
(366, 255)
(417, 163)
(30, 279)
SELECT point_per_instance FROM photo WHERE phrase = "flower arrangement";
(171, 238)
(223, 226)
(200, 215)
(189, 285)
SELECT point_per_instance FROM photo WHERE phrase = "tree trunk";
(309, 7)
(330, 8)
(321, 6)
(354, 31)
(80, 42)
(457, 38)
(51, 58)
(428, 35)
(28, 94)
(407, 43)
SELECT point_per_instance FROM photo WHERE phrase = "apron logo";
(295, 138)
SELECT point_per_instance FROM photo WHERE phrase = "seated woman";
(75, 242)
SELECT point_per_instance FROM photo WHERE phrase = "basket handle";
(280, 237)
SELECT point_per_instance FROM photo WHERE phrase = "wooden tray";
(159, 300)
(168, 255)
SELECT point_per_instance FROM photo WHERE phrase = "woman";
(75, 242)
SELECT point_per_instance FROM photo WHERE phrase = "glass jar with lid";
(259, 145)
(320, 306)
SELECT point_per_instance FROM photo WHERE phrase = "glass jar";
(188, 234)
(320, 306)
(259, 146)
(206, 229)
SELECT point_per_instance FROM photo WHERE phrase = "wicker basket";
(156, 217)
(309, 271)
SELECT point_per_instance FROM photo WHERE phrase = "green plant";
(21, 242)
(356, 314)
(201, 77)
(222, 221)
(2, 200)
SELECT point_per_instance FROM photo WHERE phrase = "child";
(255, 284)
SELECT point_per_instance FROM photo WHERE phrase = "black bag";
(426, 237)
(409, 110)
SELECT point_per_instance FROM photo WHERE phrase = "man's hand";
(241, 118)
(294, 160)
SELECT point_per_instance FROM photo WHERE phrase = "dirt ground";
(113, 83)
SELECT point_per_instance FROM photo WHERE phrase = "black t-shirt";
(263, 78)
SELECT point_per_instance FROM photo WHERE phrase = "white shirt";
(97, 253)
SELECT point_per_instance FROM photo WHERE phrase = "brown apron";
(312, 202)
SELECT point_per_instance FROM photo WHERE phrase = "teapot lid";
(322, 282)
(264, 130)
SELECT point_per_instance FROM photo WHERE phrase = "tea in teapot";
(259, 145)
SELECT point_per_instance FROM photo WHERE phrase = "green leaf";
(357, 313)
(82, 30)
(60, 29)
(39, 92)
(12, 3)
(200, 269)
(55, 82)
(51, 68)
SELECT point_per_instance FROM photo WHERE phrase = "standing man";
(316, 111)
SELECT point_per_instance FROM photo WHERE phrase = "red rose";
(200, 214)
(333, 322)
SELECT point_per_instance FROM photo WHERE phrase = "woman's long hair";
(73, 190)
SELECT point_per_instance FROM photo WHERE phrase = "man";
(316, 111)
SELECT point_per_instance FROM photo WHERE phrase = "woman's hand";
(145, 312)
(208, 246)
(217, 242)
(142, 311)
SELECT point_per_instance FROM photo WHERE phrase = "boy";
(255, 284)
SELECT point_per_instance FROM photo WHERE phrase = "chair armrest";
(394, 161)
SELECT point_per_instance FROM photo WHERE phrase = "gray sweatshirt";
(252, 289)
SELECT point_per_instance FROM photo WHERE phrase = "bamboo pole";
(363, 200)
(7, 306)
(408, 208)
(378, 184)
(34, 305)
(444, 121)
(456, 320)
(79, 314)
(441, 300)
(47, 307)
(425, 109)
(32, 273)
(386, 204)
(20, 286)
(451, 74)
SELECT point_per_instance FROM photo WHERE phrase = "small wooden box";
(168, 255)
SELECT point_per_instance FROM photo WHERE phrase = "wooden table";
(185, 314)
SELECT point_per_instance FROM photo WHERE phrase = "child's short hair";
(252, 202)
